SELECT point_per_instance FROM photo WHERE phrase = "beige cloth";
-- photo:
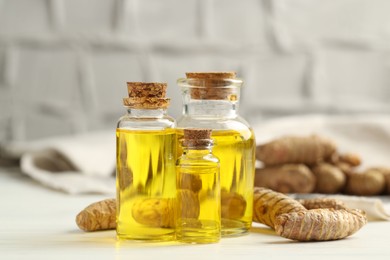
(74, 164)
(376, 208)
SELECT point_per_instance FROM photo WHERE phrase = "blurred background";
(64, 63)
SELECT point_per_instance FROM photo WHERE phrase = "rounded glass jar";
(211, 100)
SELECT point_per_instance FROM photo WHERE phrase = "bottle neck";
(210, 97)
(152, 113)
(210, 108)
(196, 152)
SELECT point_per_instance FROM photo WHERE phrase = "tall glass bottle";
(210, 100)
(198, 210)
(146, 157)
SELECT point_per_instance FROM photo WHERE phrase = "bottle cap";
(146, 89)
(146, 95)
(211, 75)
(213, 85)
(197, 137)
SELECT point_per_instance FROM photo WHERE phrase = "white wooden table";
(38, 223)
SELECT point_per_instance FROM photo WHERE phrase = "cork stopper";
(146, 89)
(146, 95)
(197, 137)
(212, 75)
(212, 85)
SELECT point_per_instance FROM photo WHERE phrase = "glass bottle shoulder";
(146, 123)
(198, 160)
(235, 123)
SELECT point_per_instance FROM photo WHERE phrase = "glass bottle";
(146, 157)
(210, 100)
(198, 214)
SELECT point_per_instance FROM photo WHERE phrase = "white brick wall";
(357, 76)
(308, 22)
(64, 63)
(169, 19)
(87, 17)
(24, 17)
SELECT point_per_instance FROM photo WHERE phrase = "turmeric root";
(190, 182)
(100, 215)
(156, 212)
(344, 167)
(268, 204)
(153, 212)
(233, 205)
(319, 224)
(330, 179)
(292, 149)
(322, 203)
(368, 183)
(292, 220)
(288, 178)
(386, 174)
(351, 159)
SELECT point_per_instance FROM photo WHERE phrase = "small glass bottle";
(198, 209)
(211, 100)
(146, 171)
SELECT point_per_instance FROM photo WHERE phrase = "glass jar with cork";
(146, 157)
(211, 100)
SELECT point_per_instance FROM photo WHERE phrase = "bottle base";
(234, 228)
(191, 240)
(198, 231)
(147, 237)
(193, 237)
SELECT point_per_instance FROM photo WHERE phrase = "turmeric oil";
(145, 170)
(198, 210)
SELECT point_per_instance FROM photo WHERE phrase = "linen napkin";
(75, 164)
(376, 208)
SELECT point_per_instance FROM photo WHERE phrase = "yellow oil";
(236, 153)
(145, 170)
(198, 211)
